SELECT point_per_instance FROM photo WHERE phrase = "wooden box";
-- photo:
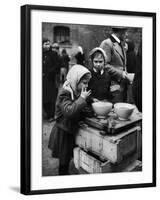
(109, 147)
(86, 163)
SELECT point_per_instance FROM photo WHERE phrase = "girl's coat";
(68, 114)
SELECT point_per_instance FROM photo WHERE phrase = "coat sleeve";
(115, 72)
(71, 108)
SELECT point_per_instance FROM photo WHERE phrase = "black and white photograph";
(92, 99)
(88, 99)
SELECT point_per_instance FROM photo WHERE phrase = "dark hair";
(64, 51)
(45, 40)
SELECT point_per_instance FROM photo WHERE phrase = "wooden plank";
(90, 164)
(87, 162)
(114, 148)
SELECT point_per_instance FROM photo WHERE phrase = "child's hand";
(124, 74)
(114, 88)
(85, 93)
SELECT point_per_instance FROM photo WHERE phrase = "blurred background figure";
(49, 86)
(57, 63)
(131, 57)
(131, 67)
(137, 82)
(64, 65)
(80, 56)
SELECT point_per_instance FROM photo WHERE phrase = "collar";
(116, 38)
(102, 71)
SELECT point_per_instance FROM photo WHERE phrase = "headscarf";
(98, 49)
(73, 77)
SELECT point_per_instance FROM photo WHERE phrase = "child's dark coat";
(100, 85)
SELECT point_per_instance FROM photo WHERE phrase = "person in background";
(131, 67)
(115, 49)
(101, 81)
(70, 103)
(57, 63)
(49, 86)
(137, 82)
(55, 48)
(80, 56)
(131, 56)
(64, 65)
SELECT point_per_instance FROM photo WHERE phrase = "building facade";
(70, 36)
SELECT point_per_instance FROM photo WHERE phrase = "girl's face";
(98, 61)
(83, 84)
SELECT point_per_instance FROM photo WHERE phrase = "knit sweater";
(100, 85)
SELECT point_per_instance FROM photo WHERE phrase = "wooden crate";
(109, 147)
(86, 163)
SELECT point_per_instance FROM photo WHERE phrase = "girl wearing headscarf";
(101, 81)
(69, 105)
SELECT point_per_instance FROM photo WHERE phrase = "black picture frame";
(26, 85)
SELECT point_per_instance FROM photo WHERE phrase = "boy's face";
(83, 84)
(98, 62)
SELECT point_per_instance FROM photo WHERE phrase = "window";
(61, 34)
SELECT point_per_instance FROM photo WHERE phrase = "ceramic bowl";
(124, 110)
(102, 108)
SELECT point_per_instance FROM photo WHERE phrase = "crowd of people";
(55, 68)
(107, 79)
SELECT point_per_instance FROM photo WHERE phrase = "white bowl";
(124, 110)
(102, 108)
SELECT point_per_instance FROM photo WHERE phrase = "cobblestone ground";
(49, 164)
